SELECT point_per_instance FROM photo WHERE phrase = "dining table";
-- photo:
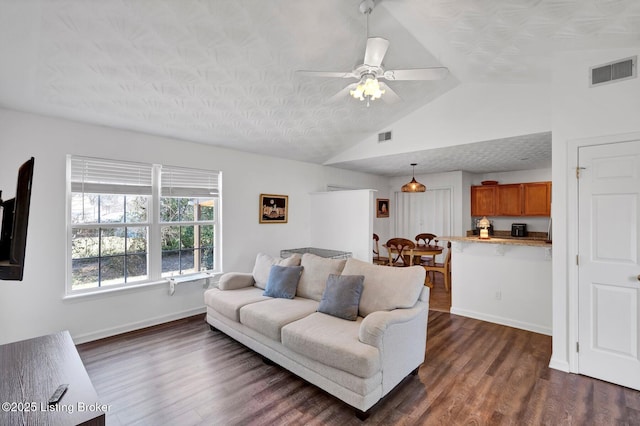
(417, 252)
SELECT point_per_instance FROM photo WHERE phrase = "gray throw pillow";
(283, 281)
(341, 296)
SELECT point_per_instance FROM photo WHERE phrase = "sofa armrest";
(375, 325)
(235, 280)
(401, 337)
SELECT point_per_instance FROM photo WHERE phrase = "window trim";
(154, 248)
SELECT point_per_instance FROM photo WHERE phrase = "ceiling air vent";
(384, 137)
(623, 69)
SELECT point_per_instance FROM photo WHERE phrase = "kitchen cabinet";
(537, 199)
(483, 200)
(516, 199)
(509, 200)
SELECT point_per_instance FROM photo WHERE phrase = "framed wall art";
(382, 207)
(274, 208)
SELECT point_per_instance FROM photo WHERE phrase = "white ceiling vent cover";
(623, 69)
(384, 137)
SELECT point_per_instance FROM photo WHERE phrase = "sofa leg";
(212, 328)
(415, 372)
(362, 415)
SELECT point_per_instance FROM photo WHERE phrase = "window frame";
(153, 225)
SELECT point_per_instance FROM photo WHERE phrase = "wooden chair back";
(443, 268)
(377, 259)
(400, 251)
(426, 239)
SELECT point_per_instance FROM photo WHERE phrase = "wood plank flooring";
(439, 298)
(475, 373)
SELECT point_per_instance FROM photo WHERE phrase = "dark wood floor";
(439, 298)
(474, 373)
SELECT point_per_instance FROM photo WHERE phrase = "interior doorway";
(609, 263)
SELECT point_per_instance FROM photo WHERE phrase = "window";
(132, 223)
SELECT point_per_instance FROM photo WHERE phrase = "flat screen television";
(15, 219)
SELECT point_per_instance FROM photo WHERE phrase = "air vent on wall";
(384, 137)
(623, 69)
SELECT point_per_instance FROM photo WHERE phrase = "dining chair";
(377, 259)
(400, 251)
(427, 239)
(443, 268)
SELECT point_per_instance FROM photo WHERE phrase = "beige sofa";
(358, 361)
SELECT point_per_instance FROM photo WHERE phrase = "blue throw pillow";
(283, 281)
(341, 296)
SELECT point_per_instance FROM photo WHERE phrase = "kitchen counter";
(513, 241)
(503, 279)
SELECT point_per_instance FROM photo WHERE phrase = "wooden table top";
(423, 250)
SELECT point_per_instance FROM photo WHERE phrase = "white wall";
(343, 220)
(580, 112)
(468, 113)
(505, 284)
(35, 306)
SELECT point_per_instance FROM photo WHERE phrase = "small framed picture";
(274, 208)
(382, 207)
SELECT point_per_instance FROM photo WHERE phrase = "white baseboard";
(536, 328)
(561, 365)
(124, 328)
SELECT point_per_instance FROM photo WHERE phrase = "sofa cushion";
(228, 303)
(386, 288)
(262, 267)
(315, 274)
(332, 341)
(283, 281)
(268, 318)
(341, 297)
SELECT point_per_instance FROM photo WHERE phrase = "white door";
(609, 267)
(420, 212)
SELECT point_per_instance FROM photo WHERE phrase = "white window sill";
(114, 290)
(209, 279)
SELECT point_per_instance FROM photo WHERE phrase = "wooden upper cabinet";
(483, 200)
(509, 200)
(537, 199)
(517, 199)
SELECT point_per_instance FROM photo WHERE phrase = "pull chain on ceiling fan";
(369, 73)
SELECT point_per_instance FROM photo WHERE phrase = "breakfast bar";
(502, 280)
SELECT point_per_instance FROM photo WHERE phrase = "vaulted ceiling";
(222, 72)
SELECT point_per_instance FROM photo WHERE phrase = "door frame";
(573, 234)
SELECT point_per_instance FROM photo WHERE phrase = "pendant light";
(414, 185)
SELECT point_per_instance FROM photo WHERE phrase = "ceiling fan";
(371, 70)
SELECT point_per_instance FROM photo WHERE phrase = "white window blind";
(98, 176)
(180, 182)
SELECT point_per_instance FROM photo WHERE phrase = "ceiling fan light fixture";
(414, 185)
(368, 88)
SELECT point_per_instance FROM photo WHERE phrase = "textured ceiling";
(526, 152)
(222, 72)
(512, 40)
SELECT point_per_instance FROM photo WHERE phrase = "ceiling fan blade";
(344, 92)
(376, 49)
(335, 74)
(435, 73)
(389, 96)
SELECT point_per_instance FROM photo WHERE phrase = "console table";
(331, 254)
(31, 370)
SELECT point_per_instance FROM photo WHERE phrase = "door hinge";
(578, 171)
(577, 346)
(578, 259)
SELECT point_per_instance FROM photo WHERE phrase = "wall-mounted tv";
(15, 219)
